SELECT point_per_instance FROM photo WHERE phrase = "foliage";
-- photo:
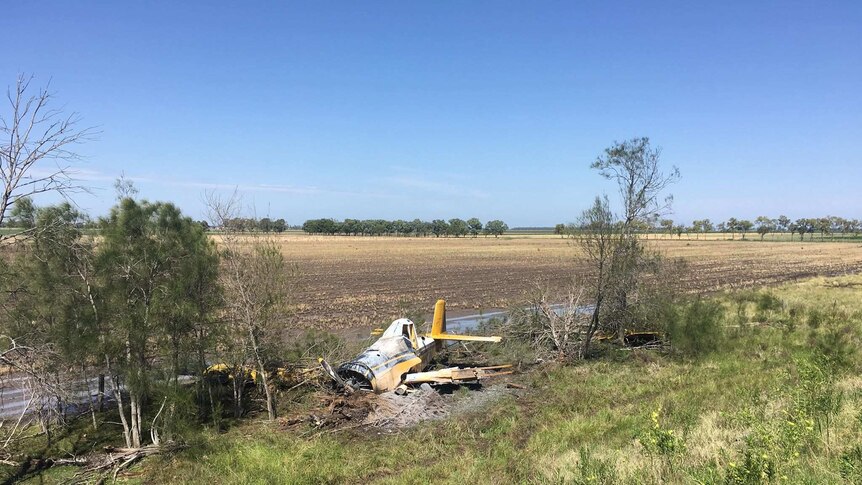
(418, 228)
(660, 441)
(697, 328)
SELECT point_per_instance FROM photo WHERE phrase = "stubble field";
(356, 282)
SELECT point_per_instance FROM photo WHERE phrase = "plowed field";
(362, 281)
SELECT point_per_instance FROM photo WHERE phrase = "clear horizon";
(492, 110)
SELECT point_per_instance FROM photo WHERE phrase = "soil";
(365, 282)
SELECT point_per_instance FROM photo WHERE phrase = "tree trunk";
(100, 400)
(135, 407)
(118, 395)
(238, 383)
(270, 397)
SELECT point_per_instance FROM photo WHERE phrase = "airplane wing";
(455, 375)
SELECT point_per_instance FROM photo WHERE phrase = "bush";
(697, 328)
(850, 465)
(767, 302)
(661, 441)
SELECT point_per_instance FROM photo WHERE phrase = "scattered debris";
(96, 467)
(455, 375)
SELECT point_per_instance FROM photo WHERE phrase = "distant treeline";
(763, 225)
(418, 228)
(247, 224)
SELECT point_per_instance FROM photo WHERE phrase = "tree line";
(379, 227)
(827, 226)
(23, 216)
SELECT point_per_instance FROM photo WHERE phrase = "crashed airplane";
(400, 355)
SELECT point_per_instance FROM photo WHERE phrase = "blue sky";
(454, 109)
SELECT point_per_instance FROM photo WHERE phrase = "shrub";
(767, 302)
(661, 441)
(756, 467)
(850, 465)
(815, 318)
(697, 329)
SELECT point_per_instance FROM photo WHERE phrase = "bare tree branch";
(36, 145)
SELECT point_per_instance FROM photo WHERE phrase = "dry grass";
(352, 282)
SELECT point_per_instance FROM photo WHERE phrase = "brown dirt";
(358, 282)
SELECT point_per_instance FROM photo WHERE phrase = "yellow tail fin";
(438, 327)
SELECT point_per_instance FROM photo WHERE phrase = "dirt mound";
(394, 411)
(427, 404)
(389, 411)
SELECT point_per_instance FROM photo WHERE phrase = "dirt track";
(362, 281)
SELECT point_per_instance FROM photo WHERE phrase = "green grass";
(749, 412)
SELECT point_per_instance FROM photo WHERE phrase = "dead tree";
(36, 143)
(257, 286)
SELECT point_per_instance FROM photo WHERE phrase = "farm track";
(361, 281)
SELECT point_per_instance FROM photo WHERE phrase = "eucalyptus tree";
(475, 226)
(765, 225)
(667, 226)
(744, 226)
(783, 223)
(496, 228)
(732, 225)
(439, 227)
(458, 227)
(23, 213)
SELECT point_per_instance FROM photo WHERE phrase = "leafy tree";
(801, 226)
(765, 225)
(667, 225)
(146, 260)
(732, 225)
(496, 228)
(560, 229)
(439, 227)
(744, 226)
(23, 213)
(402, 227)
(420, 228)
(783, 223)
(634, 165)
(475, 226)
(823, 225)
(49, 312)
(265, 225)
(457, 227)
